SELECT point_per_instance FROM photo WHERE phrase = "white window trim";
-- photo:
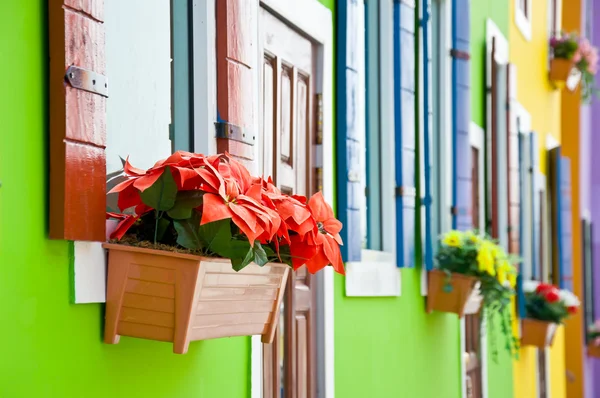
(315, 20)
(377, 274)
(523, 21)
(476, 140)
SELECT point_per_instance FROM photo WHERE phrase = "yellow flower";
(512, 280)
(502, 275)
(485, 260)
(453, 239)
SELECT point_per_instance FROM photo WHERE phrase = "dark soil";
(131, 240)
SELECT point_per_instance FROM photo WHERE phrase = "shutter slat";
(426, 201)
(77, 122)
(461, 110)
(513, 169)
(349, 133)
(404, 110)
(566, 233)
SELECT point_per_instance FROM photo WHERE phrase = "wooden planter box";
(564, 74)
(454, 301)
(174, 297)
(537, 333)
(593, 350)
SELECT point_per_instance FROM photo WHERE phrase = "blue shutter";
(536, 233)
(426, 201)
(348, 131)
(404, 110)
(461, 111)
(565, 231)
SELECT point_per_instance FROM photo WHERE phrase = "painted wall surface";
(570, 113)
(55, 348)
(542, 101)
(500, 373)
(390, 347)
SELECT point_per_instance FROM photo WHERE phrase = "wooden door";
(287, 131)
(473, 322)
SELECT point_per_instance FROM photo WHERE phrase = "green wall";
(49, 347)
(390, 347)
(500, 377)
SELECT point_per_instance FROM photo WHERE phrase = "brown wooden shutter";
(493, 178)
(235, 76)
(513, 188)
(77, 120)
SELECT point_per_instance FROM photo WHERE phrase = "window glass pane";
(138, 66)
(371, 168)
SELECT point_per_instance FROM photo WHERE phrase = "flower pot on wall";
(564, 74)
(593, 350)
(175, 297)
(449, 294)
(537, 333)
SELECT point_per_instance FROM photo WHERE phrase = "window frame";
(554, 17)
(523, 18)
(377, 274)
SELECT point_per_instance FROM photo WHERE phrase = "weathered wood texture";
(77, 134)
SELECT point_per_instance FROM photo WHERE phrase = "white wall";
(138, 110)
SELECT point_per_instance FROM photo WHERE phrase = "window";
(588, 273)
(376, 145)
(554, 17)
(523, 13)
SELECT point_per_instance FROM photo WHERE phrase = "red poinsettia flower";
(325, 237)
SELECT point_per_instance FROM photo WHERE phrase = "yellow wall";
(571, 103)
(536, 94)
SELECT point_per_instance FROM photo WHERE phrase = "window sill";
(375, 276)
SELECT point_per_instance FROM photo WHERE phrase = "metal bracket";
(406, 191)
(233, 132)
(87, 80)
(454, 53)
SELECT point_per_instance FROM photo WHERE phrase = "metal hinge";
(87, 80)
(455, 53)
(406, 191)
(171, 132)
(235, 133)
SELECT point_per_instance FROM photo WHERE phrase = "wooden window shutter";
(426, 111)
(536, 210)
(513, 189)
(461, 103)
(350, 134)
(77, 120)
(235, 74)
(562, 234)
(405, 131)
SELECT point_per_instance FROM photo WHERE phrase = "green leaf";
(239, 263)
(216, 236)
(188, 232)
(260, 256)
(163, 225)
(185, 202)
(162, 194)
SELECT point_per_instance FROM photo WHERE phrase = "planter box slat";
(205, 333)
(593, 350)
(142, 331)
(160, 304)
(232, 307)
(151, 274)
(228, 280)
(231, 319)
(152, 289)
(537, 333)
(147, 317)
(177, 297)
(453, 301)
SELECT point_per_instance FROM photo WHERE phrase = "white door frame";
(315, 21)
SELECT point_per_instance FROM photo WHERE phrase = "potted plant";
(574, 60)
(546, 308)
(593, 348)
(467, 262)
(203, 250)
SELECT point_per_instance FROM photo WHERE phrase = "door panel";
(287, 128)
